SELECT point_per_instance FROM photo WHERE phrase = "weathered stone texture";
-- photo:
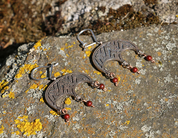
(143, 105)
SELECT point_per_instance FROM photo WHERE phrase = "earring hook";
(50, 72)
(84, 45)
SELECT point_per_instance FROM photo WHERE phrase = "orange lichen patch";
(42, 100)
(57, 74)
(25, 69)
(159, 53)
(11, 95)
(144, 118)
(1, 129)
(53, 113)
(67, 101)
(166, 99)
(38, 44)
(28, 128)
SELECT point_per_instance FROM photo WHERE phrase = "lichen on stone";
(26, 127)
(25, 69)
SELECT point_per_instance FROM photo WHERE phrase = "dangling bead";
(66, 116)
(114, 80)
(101, 86)
(148, 58)
(89, 103)
(134, 70)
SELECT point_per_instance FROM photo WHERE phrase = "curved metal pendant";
(112, 51)
(63, 87)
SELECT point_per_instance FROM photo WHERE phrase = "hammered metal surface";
(111, 51)
(64, 86)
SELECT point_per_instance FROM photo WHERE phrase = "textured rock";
(143, 105)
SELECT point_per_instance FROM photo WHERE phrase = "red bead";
(114, 80)
(148, 58)
(134, 69)
(66, 116)
(89, 103)
(101, 86)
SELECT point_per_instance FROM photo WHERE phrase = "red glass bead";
(134, 70)
(101, 86)
(66, 116)
(114, 80)
(148, 58)
(89, 103)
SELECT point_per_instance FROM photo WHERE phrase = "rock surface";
(143, 105)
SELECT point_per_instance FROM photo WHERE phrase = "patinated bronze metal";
(110, 51)
(63, 87)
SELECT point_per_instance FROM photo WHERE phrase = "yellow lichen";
(40, 72)
(53, 112)
(88, 53)
(44, 87)
(1, 129)
(107, 104)
(68, 101)
(177, 16)
(43, 76)
(97, 72)
(3, 83)
(41, 86)
(16, 132)
(37, 44)
(28, 128)
(26, 91)
(62, 49)
(11, 95)
(33, 86)
(127, 122)
(57, 74)
(64, 71)
(25, 69)
(70, 46)
(67, 108)
(87, 71)
(89, 47)
(5, 88)
(42, 100)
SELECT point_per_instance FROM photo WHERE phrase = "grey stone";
(143, 105)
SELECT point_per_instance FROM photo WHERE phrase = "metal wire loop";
(50, 72)
(84, 45)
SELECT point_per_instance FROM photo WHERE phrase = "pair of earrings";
(64, 86)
